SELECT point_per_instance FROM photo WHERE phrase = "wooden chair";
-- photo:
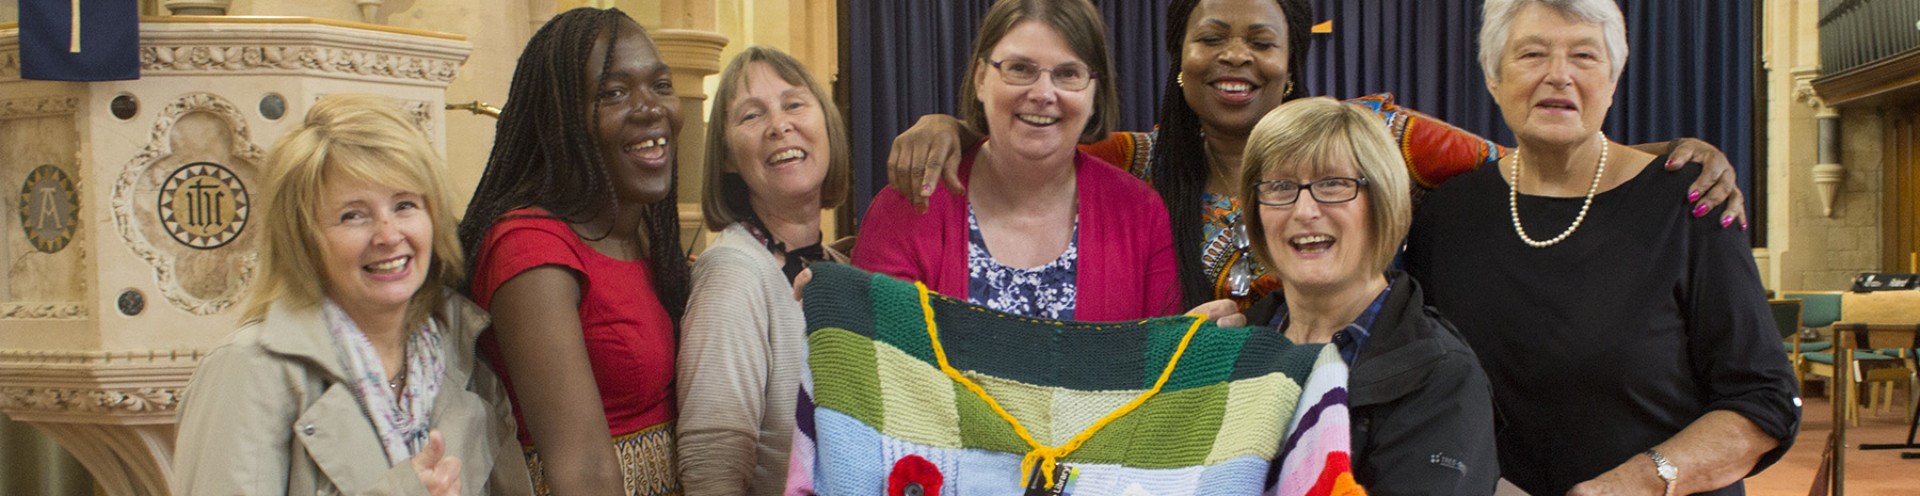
(1821, 310)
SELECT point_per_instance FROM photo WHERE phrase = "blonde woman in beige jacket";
(354, 372)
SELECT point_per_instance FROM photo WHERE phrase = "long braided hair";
(1179, 168)
(546, 155)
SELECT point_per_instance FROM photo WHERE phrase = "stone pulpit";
(130, 246)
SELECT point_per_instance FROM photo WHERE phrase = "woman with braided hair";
(576, 211)
(1232, 61)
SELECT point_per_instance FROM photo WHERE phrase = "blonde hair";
(350, 137)
(1308, 133)
(725, 200)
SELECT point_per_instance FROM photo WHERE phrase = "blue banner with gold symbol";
(80, 40)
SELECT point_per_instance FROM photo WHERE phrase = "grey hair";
(1497, 19)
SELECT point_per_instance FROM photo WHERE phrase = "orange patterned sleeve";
(1127, 150)
(1435, 150)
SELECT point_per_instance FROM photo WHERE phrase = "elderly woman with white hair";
(1628, 342)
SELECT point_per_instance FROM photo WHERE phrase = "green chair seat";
(1827, 358)
(1808, 347)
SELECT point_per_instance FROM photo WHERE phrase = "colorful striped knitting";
(874, 394)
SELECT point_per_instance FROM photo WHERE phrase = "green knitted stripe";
(1258, 422)
(828, 304)
(1073, 355)
(921, 399)
(845, 374)
(1190, 419)
(1210, 358)
(1267, 351)
(897, 317)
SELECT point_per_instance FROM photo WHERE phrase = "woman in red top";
(576, 211)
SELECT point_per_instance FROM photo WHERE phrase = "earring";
(1180, 80)
(1289, 90)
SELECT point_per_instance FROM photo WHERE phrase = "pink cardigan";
(1127, 268)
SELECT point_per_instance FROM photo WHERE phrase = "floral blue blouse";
(1044, 292)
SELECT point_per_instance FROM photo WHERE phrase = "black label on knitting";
(1063, 479)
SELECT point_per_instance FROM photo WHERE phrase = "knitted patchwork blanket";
(908, 392)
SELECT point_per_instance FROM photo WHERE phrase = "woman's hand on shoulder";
(925, 153)
(440, 473)
(1717, 184)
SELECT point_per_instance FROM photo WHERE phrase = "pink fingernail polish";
(1743, 225)
(1700, 210)
(1692, 196)
(926, 190)
(1727, 221)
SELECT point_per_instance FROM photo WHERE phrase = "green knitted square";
(846, 375)
(980, 428)
(1209, 358)
(897, 317)
(920, 399)
(1031, 405)
(1258, 423)
(1186, 423)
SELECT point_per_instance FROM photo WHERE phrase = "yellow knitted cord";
(1045, 455)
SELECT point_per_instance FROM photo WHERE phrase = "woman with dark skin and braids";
(1231, 64)
(576, 210)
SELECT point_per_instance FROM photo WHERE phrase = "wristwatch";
(1664, 469)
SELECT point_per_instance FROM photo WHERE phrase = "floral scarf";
(402, 423)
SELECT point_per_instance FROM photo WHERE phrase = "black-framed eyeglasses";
(1329, 190)
(1071, 76)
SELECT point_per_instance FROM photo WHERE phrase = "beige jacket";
(742, 351)
(270, 411)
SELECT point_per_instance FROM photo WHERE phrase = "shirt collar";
(1351, 339)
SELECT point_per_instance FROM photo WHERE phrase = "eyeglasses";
(1329, 190)
(1069, 76)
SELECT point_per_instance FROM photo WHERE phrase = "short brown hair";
(724, 200)
(1308, 132)
(344, 138)
(1076, 21)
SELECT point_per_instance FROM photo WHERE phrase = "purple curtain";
(1689, 72)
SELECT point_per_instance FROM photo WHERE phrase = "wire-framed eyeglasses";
(1071, 76)
(1329, 190)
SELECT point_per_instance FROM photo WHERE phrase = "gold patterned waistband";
(647, 459)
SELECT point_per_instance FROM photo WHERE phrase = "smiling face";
(638, 115)
(1319, 245)
(377, 243)
(1235, 63)
(1556, 81)
(1038, 121)
(778, 135)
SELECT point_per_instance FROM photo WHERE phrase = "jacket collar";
(301, 333)
(1396, 344)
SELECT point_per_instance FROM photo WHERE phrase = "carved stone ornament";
(68, 400)
(53, 311)
(195, 278)
(10, 64)
(345, 61)
(37, 107)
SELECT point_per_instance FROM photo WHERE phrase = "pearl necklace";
(1513, 198)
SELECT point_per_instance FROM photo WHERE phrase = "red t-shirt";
(629, 337)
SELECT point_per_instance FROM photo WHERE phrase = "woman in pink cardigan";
(1042, 229)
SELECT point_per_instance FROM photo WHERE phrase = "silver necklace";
(1513, 198)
